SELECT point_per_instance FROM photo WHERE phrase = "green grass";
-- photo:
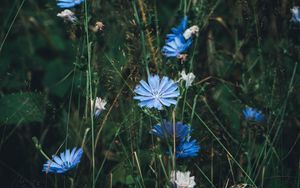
(246, 54)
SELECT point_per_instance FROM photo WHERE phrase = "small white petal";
(182, 179)
(99, 105)
(194, 30)
(188, 78)
(67, 15)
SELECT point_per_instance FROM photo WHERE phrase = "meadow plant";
(175, 79)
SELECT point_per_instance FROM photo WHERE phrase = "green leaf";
(22, 108)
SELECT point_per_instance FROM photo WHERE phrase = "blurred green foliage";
(22, 108)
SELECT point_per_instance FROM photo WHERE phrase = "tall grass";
(246, 54)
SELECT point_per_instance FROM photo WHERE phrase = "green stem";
(184, 7)
(183, 106)
(163, 167)
(90, 91)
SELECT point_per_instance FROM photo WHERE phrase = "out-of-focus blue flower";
(179, 30)
(175, 47)
(156, 93)
(165, 130)
(175, 42)
(295, 14)
(187, 148)
(253, 114)
(66, 161)
(68, 3)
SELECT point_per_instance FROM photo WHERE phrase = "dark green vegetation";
(247, 53)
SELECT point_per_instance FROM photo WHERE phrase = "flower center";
(156, 94)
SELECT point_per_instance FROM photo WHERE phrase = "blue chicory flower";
(253, 114)
(295, 14)
(179, 30)
(165, 130)
(187, 148)
(175, 42)
(66, 161)
(156, 93)
(68, 3)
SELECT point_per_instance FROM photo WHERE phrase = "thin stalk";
(86, 97)
(105, 158)
(148, 36)
(90, 91)
(183, 105)
(193, 109)
(184, 7)
(107, 114)
(156, 24)
(139, 167)
(11, 25)
(69, 109)
(298, 183)
(174, 140)
(142, 38)
(207, 178)
(163, 167)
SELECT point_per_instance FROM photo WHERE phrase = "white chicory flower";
(194, 30)
(295, 14)
(182, 179)
(67, 15)
(99, 106)
(188, 78)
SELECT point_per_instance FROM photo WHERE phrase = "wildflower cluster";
(70, 159)
(158, 94)
(162, 93)
(185, 147)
